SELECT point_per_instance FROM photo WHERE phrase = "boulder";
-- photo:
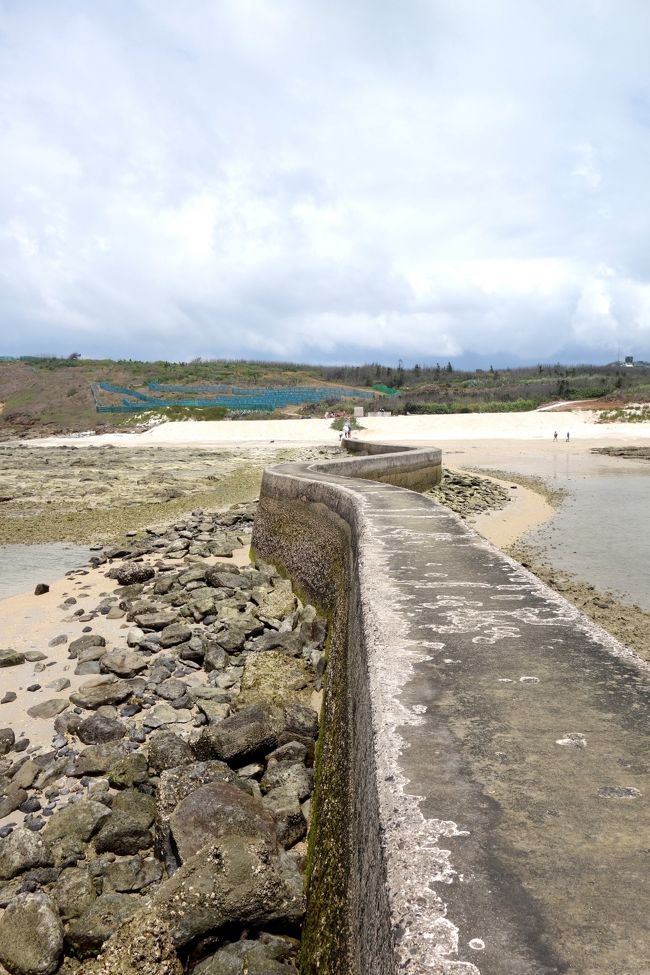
(83, 642)
(140, 946)
(49, 709)
(125, 664)
(163, 714)
(241, 737)
(125, 833)
(130, 771)
(276, 678)
(131, 573)
(11, 658)
(87, 934)
(171, 689)
(167, 750)
(134, 874)
(7, 740)
(73, 893)
(290, 821)
(155, 621)
(174, 634)
(270, 955)
(175, 784)
(100, 728)
(22, 850)
(215, 810)
(69, 828)
(98, 759)
(94, 695)
(12, 798)
(31, 935)
(295, 779)
(237, 879)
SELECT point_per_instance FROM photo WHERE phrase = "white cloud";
(324, 179)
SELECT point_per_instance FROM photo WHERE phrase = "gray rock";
(164, 714)
(129, 772)
(26, 775)
(215, 658)
(174, 786)
(91, 654)
(251, 732)
(98, 759)
(91, 696)
(11, 658)
(12, 798)
(69, 828)
(31, 936)
(74, 892)
(140, 946)
(155, 621)
(216, 810)
(174, 634)
(271, 955)
(83, 642)
(22, 850)
(234, 880)
(295, 779)
(131, 573)
(124, 832)
(134, 874)
(7, 740)
(86, 934)
(167, 750)
(289, 642)
(49, 709)
(291, 823)
(126, 664)
(100, 728)
(171, 689)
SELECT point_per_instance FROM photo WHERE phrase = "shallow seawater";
(23, 566)
(601, 531)
(601, 534)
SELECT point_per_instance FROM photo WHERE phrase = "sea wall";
(479, 796)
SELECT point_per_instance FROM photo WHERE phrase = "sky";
(326, 180)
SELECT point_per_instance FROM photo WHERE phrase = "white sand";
(535, 426)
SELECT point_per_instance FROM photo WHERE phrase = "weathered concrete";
(482, 796)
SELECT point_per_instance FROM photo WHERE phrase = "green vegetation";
(54, 394)
(337, 424)
(634, 413)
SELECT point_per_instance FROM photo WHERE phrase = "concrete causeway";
(484, 783)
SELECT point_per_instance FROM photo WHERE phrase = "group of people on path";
(567, 436)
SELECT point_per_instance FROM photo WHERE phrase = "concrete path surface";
(527, 728)
(512, 754)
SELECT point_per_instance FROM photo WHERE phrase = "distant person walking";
(555, 435)
(567, 437)
(347, 430)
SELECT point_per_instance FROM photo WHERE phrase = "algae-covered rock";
(237, 879)
(215, 810)
(87, 934)
(22, 850)
(141, 946)
(31, 936)
(71, 827)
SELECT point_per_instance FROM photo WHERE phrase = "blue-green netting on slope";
(237, 399)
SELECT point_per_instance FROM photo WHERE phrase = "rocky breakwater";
(164, 830)
(467, 495)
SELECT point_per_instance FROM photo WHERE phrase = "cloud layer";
(326, 181)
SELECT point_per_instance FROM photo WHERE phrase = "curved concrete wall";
(482, 784)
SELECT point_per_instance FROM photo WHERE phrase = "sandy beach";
(487, 440)
(30, 623)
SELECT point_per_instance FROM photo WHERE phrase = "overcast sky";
(325, 180)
